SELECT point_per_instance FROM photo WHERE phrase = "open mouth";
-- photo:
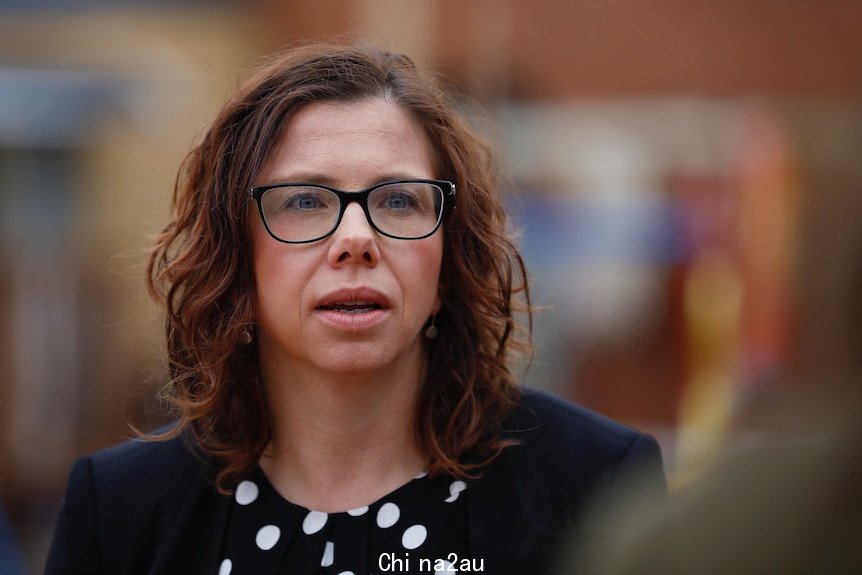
(352, 307)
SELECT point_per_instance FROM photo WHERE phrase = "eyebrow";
(306, 177)
(327, 180)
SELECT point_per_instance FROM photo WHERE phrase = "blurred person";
(783, 497)
(11, 560)
(340, 290)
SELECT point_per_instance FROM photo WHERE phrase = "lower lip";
(354, 320)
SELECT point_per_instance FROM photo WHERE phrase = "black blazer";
(151, 508)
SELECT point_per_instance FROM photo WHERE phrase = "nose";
(354, 241)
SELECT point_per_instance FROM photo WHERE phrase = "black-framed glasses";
(298, 213)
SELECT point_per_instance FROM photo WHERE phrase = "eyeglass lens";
(302, 213)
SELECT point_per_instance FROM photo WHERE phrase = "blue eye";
(397, 201)
(306, 202)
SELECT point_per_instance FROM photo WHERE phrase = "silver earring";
(431, 331)
(246, 337)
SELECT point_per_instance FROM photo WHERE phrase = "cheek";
(265, 268)
(265, 279)
(260, 250)
(425, 275)
(278, 278)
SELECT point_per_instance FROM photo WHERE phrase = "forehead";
(351, 144)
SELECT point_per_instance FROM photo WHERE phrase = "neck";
(340, 442)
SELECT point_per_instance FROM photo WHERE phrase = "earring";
(246, 337)
(431, 331)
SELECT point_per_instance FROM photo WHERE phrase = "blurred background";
(689, 194)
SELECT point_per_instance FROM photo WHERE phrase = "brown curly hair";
(200, 271)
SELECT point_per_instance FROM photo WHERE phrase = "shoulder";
(123, 503)
(539, 416)
(138, 484)
(564, 460)
(572, 443)
(145, 467)
(143, 474)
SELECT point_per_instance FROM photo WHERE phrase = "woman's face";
(356, 301)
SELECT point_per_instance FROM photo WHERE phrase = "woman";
(340, 294)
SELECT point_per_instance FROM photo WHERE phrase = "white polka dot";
(414, 536)
(388, 515)
(314, 522)
(455, 489)
(328, 555)
(421, 475)
(450, 568)
(246, 492)
(225, 567)
(267, 537)
(358, 511)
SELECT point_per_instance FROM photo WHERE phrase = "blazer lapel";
(516, 507)
(194, 543)
(509, 525)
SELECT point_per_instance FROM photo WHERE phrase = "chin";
(355, 366)
(359, 360)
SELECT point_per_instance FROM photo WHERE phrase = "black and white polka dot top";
(418, 528)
